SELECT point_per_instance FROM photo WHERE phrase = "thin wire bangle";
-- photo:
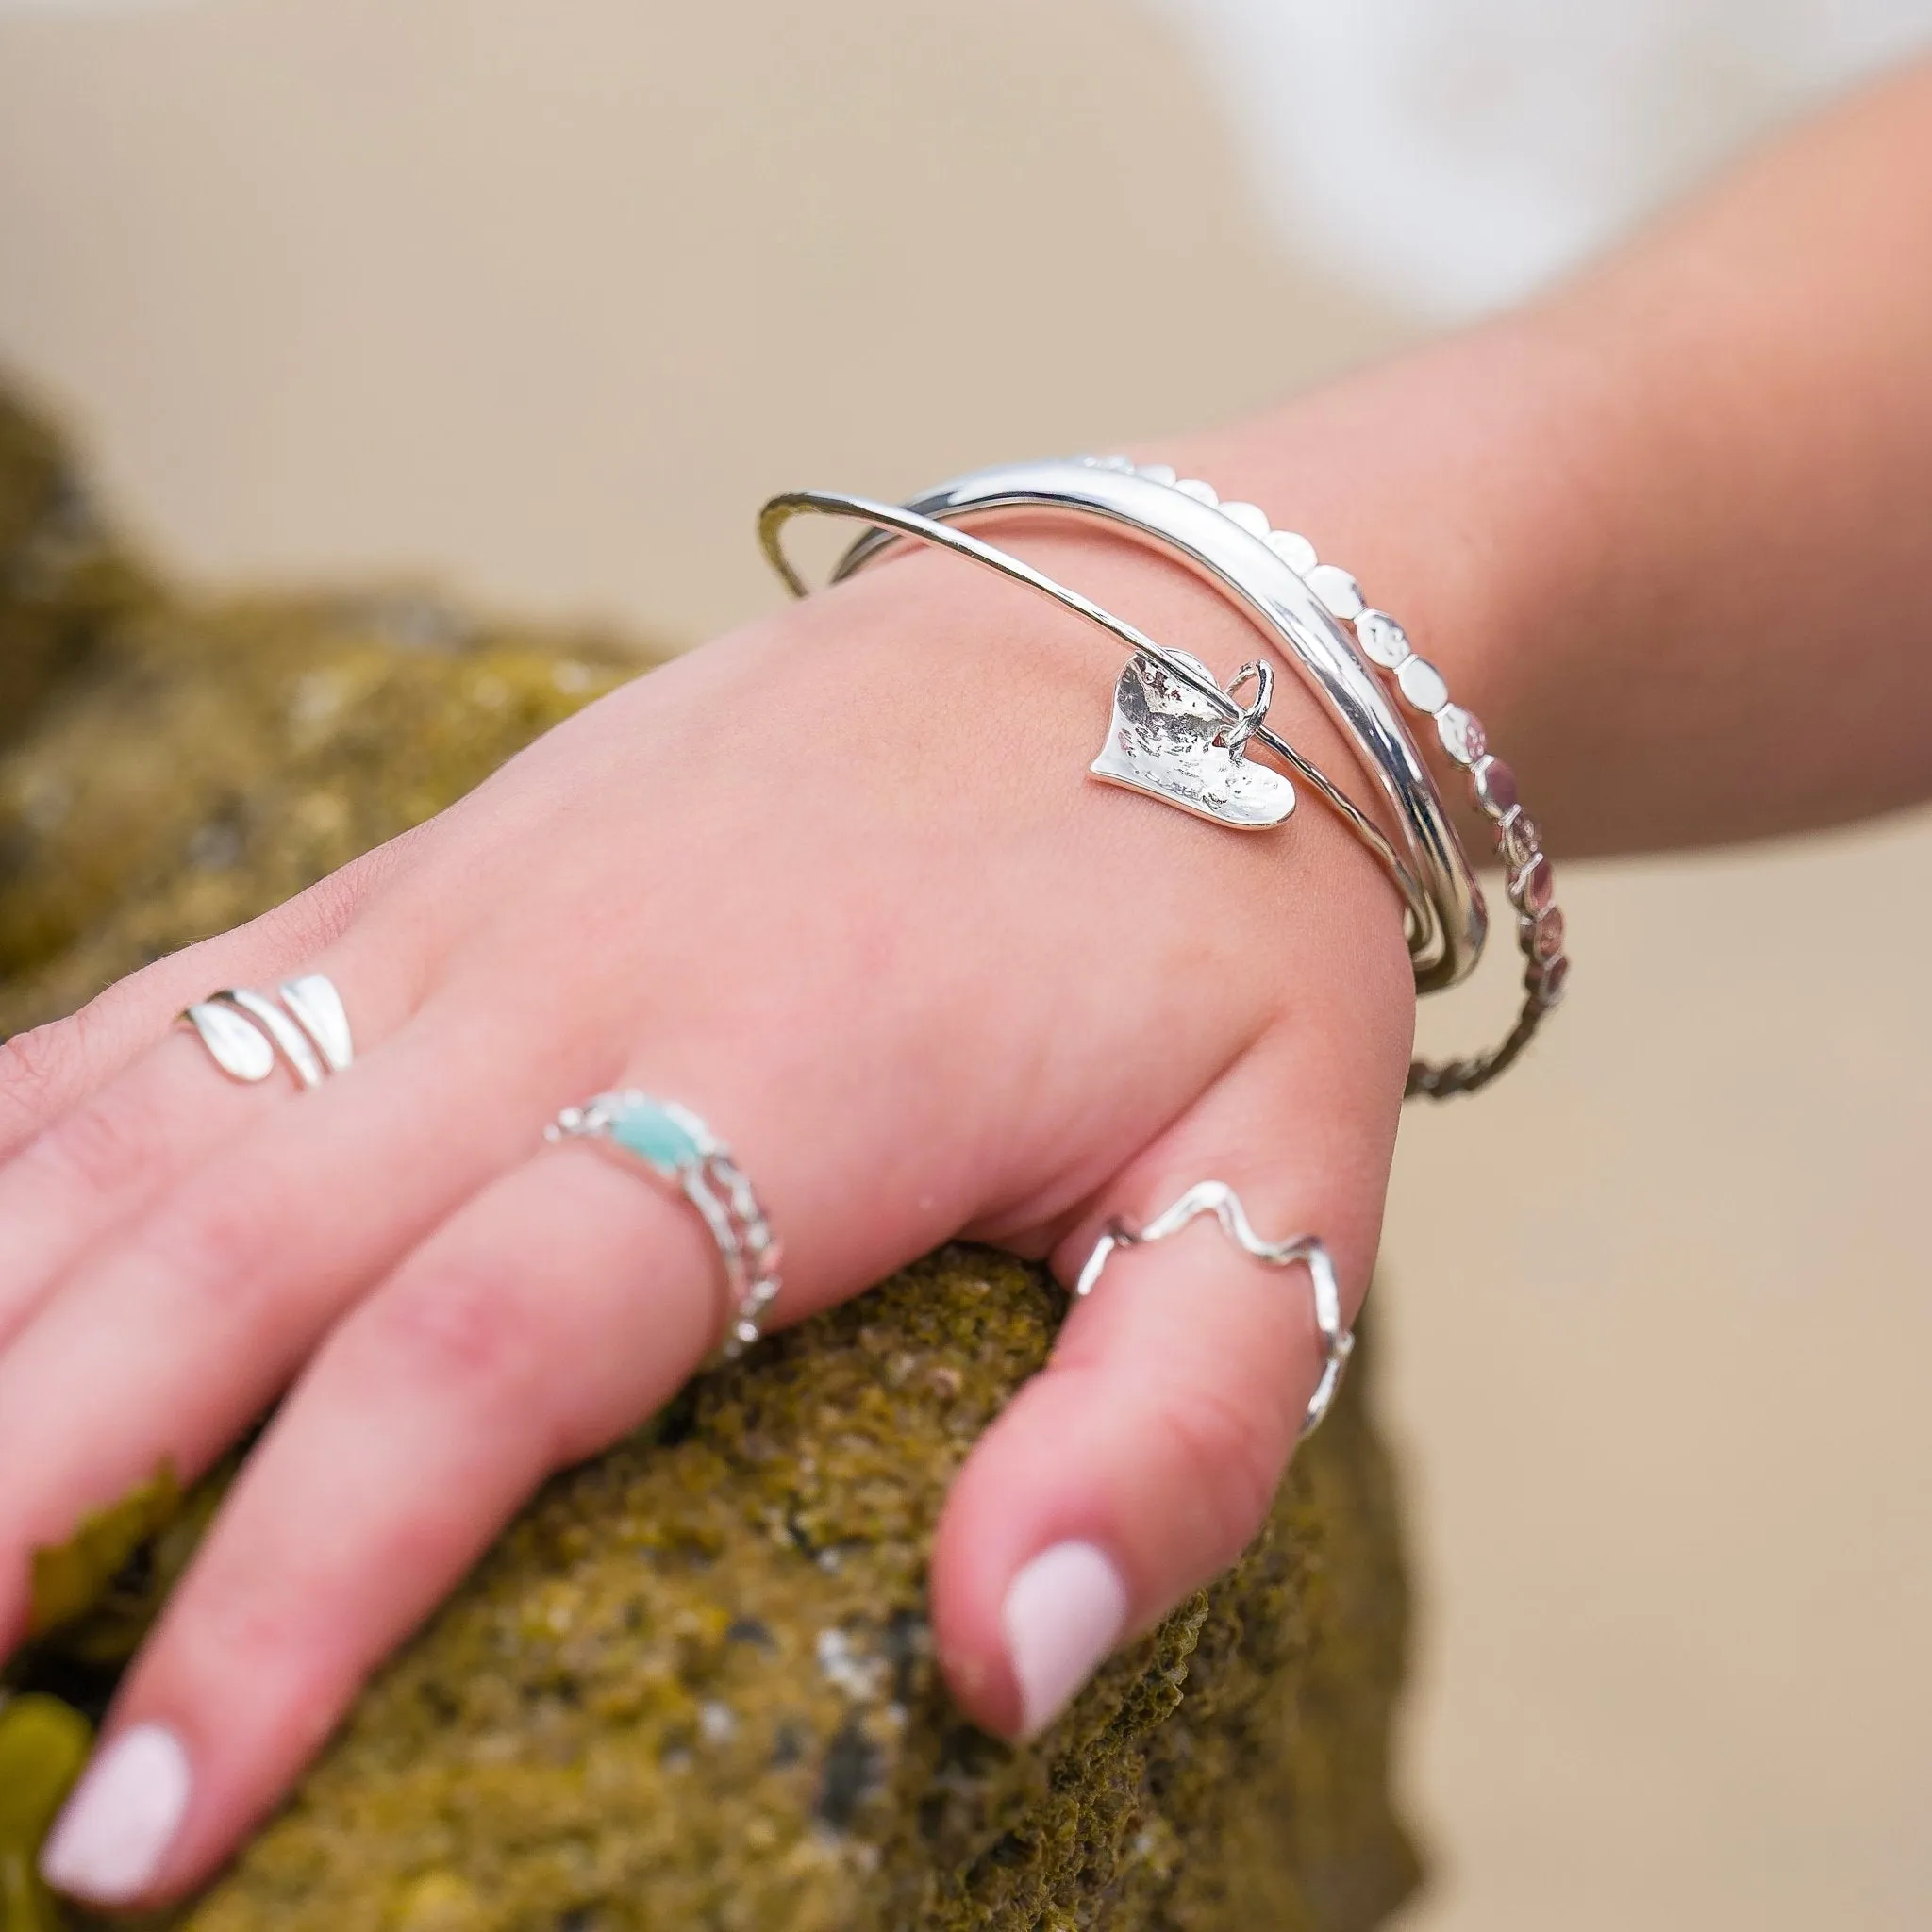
(904, 522)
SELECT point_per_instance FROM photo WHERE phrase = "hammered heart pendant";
(1169, 741)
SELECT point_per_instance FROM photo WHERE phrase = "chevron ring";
(1220, 1200)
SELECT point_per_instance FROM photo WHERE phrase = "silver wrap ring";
(677, 1146)
(302, 1025)
(1220, 1200)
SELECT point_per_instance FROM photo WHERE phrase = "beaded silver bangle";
(1424, 691)
(1376, 640)
(1532, 882)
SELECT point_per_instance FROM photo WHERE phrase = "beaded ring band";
(679, 1147)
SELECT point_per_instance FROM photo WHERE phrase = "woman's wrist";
(1669, 520)
(1434, 481)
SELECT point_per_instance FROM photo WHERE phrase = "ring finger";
(561, 1307)
(169, 1339)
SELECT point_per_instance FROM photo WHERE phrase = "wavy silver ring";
(305, 1027)
(677, 1146)
(1220, 1200)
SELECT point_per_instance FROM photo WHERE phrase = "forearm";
(1669, 530)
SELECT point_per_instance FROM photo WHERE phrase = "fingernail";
(112, 1836)
(1064, 1613)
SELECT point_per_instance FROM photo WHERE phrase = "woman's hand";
(838, 882)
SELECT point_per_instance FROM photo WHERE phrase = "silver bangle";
(1188, 508)
(1532, 882)
(1422, 691)
(1244, 722)
(1226, 545)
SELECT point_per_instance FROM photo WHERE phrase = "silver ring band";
(304, 1027)
(677, 1146)
(1220, 1200)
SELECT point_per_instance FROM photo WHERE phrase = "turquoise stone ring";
(653, 1132)
(677, 1146)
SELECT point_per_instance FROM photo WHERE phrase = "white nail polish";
(1063, 1613)
(112, 1833)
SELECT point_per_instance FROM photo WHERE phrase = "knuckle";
(248, 1622)
(37, 1071)
(1230, 1454)
(318, 916)
(288, 1646)
(99, 1144)
(217, 1241)
(461, 1329)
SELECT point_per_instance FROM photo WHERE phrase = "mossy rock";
(62, 581)
(693, 1684)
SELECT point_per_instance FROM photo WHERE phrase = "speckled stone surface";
(693, 1686)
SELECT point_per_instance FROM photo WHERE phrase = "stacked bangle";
(1315, 613)
(1532, 884)
(1228, 546)
(1182, 669)
(1423, 689)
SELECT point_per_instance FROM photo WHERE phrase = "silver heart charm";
(1168, 740)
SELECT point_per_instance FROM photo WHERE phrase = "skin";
(838, 879)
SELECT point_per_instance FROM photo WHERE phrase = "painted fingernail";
(110, 1838)
(1063, 1613)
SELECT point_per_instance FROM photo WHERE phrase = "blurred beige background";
(544, 299)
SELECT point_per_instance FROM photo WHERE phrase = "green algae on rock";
(69, 1578)
(42, 1747)
(62, 582)
(693, 1686)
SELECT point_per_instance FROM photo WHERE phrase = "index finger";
(48, 1070)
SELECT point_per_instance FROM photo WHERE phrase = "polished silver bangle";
(1185, 511)
(1229, 546)
(1238, 723)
